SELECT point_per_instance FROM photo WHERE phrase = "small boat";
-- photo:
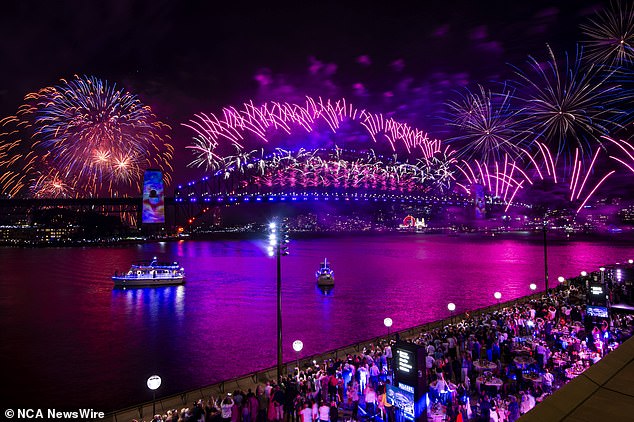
(152, 273)
(325, 275)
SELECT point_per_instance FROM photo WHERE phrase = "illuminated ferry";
(325, 275)
(151, 273)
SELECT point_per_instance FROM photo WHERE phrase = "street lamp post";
(153, 383)
(388, 323)
(546, 258)
(298, 345)
(498, 296)
(452, 307)
(602, 269)
(278, 238)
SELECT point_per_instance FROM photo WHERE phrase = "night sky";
(184, 57)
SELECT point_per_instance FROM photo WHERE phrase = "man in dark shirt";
(334, 411)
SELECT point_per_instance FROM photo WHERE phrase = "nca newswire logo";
(53, 414)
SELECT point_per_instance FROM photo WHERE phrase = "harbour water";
(70, 340)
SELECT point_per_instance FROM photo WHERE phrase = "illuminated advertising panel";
(409, 374)
(477, 193)
(597, 311)
(402, 399)
(153, 197)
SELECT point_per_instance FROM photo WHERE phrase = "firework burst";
(96, 138)
(488, 125)
(569, 106)
(610, 35)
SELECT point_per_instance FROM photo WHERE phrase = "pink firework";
(212, 132)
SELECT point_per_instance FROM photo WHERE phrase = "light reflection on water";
(92, 346)
(158, 299)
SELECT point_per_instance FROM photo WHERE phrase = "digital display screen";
(153, 197)
(402, 399)
(597, 311)
(405, 362)
(596, 290)
(477, 191)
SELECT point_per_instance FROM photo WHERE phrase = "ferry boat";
(325, 275)
(152, 273)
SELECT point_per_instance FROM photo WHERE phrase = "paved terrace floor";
(604, 392)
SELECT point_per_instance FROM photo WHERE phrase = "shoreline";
(554, 237)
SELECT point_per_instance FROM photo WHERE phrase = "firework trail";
(586, 176)
(626, 148)
(95, 137)
(212, 132)
(17, 162)
(502, 179)
(610, 35)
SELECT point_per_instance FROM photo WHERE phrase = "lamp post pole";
(298, 345)
(279, 311)
(546, 258)
(153, 383)
(452, 307)
(278, 238)
(388, 323)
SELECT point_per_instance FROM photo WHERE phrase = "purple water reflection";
(91, 346)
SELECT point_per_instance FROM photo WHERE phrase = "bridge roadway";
(194, 198)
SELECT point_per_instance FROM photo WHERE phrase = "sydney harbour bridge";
(250, 157)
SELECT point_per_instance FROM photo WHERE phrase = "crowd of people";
(494, 366)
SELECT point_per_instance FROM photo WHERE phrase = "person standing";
(278, 401)
(262, 404)
(388, 355)
(370, 401)
(547, 381)
(334, 412)
(225, 409)
(306, 414)
(429, 365)
(513, 410)
(354, 398)
(363, 376)
(324, 412)
(374, 375)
